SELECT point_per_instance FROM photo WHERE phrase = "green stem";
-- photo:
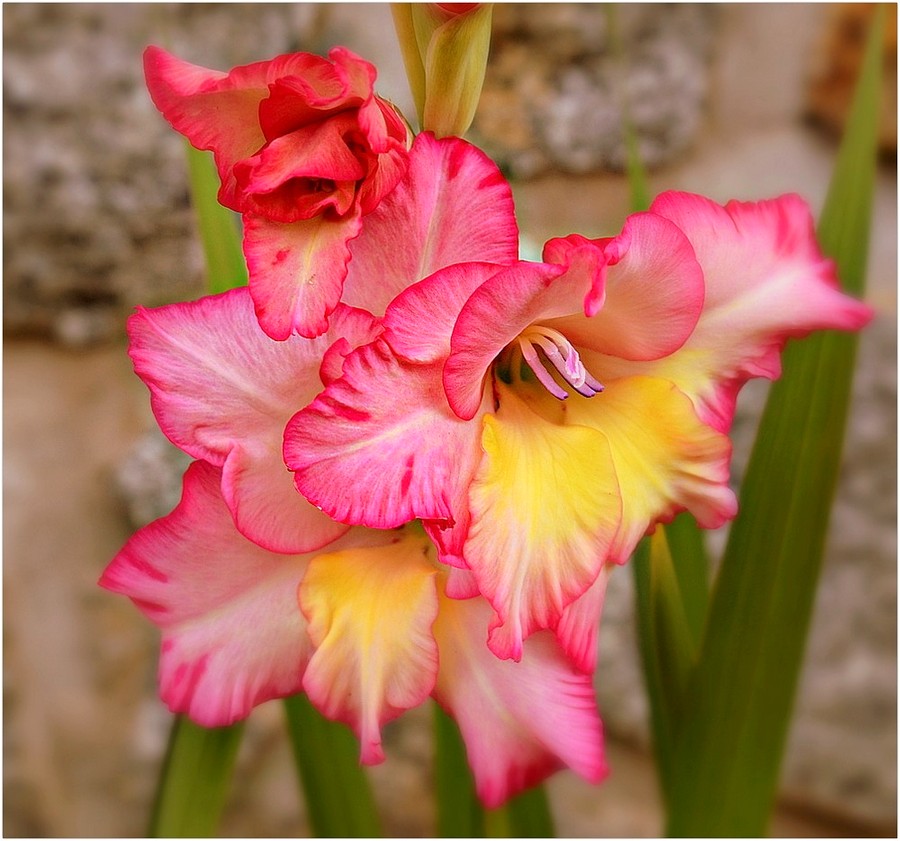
(339, 800)
(195, 778)
(459, 812)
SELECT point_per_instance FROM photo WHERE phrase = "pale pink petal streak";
(452, 206)
(520, 721)
(233, 634)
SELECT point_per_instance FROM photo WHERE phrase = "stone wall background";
(97, 219)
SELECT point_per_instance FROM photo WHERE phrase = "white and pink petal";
(222, 391)
(232, 633)
(520, 721)
(766, 281)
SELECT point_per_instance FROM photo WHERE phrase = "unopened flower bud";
(445, 49)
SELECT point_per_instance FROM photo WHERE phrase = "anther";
(562, 356)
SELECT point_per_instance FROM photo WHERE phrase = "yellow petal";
(545, 509)
(666, 459)
(370, 612)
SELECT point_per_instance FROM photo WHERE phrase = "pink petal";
(520, 721)
(319, 88)
(370, 613)
(652, 293)
(385, 420)
(579, 623)
(297, 271)
(223, 391)
(545, 510)
(214, 110)
(766, 280)
(500, 309)
(233, 635)
(452, 206)
(283, 181)
(418, 323)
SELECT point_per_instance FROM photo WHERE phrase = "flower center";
(560, 353)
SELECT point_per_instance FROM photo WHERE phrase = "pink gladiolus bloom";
(359, 619)
(223, 392)
(363, 626)
(304, 150)
(540, 418)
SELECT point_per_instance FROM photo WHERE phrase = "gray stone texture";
(563, 77)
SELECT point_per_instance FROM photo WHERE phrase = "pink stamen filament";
(562, 356)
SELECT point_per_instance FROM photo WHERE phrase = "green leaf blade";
(459, 812)
(225, 267)
(668, 648)
(195, 779)
(339, 799)
(741, 692)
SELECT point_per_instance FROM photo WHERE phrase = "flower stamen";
(560, 353)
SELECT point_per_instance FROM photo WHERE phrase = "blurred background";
(734, 101)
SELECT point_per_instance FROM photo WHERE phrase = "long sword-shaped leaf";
(225, 267)
(529, 815)
(195, 780)
(741, 694)
(339, 800)
(459, 812)
(668, 648)
(525, 816)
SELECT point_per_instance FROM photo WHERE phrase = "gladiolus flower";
(540, 418)
(363, 626)
(304, 150)
(260, 595)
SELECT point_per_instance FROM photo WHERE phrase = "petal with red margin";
(233, 635)
(452, 206)
(766, 280)
(370, 612)
(222, 391)
(579, 624)
(545, 510)
(418, 323)
(652, 295)
(214, 110)
(520, 721)
(297, 270)
(385, 420)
